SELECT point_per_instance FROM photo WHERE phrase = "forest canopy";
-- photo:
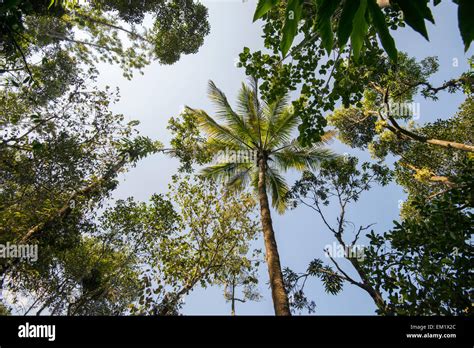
(328, 75)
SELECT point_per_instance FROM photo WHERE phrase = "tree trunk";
(375, 294)
(233, 297)
(279, 295)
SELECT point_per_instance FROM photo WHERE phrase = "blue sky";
(301, 236)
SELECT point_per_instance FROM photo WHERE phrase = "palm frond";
(225, 171)
(278, 189)
(271, 113)
(282, 129)
(241, 178)
(225, 112)
(253, 82)
(300, 158)
(217, 131)
(249, 107)
(254, 178)
(214, 145)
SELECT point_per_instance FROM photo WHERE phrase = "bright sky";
(162, 91)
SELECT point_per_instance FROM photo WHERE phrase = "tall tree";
(61, 150)
(387, 111)
(255, 144)
(143, 258)
(419, 267)
(424, 263)
(335, 186)
(93, 31)
(433, 163)
(194, 236)
(247, 281)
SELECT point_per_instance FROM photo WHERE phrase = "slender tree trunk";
(376, 295)
(233, 298)
(279, 295)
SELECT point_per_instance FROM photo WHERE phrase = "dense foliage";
(329, 70)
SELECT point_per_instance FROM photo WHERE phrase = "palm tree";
(263, 131)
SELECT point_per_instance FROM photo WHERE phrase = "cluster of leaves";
(94, 31)
(352, 18)
(187, 142)
(4, 310)
(383, 121)
(51, 149)
(90, 277)
(421, 265)
(340, 176)
(61, 150)
(428, 172)
(358, 124)
(424, 263)
(295, 283)
(423, 166)
(180, 28)
(319, 78)
(320, 71)
(196, 235)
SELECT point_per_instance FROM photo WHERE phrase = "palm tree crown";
(264, 131)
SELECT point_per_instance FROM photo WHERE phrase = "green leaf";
(9, 4)
(380, 25)
(327, 37)
(133, 123)
(293, 16)
(359, 30)
(326, 9)
(414, 13)
(323, 22)
(465, 12)
(263, 7)
(425, 10)
(36, 145)
(344, 29)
